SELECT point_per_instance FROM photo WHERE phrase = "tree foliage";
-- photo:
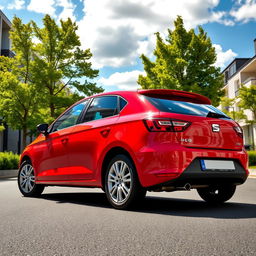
(19, 98)
(184, 61)
(247, 96)
(62, 64)
(228, 107)
(48, 73)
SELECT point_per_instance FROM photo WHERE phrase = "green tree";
(247, 96)
(46, 75)
(228, 107)
(19, 98)
(61, 64)
(184, 61)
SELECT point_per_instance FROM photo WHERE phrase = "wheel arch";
(116, 150)
(24, 158)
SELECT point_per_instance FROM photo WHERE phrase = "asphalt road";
(77, 221)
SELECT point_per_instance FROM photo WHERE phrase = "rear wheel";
(122, 186)
(217, 194)
(26, 180)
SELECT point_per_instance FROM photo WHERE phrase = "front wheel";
(26, 180)
(217, 194)
(122, 185)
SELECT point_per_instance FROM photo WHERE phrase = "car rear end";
(190, 144)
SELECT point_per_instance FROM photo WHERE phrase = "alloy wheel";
(27, 178)
(119, 182)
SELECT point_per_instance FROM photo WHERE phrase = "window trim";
(83, 113)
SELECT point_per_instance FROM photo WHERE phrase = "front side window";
(70, 117)
(101, 107)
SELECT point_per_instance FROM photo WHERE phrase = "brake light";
(239, 131)
(166, 125)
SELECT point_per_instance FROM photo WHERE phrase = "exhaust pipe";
(187, 187)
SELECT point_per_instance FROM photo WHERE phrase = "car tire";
(26, 180)
(122, 186)
(217, 194)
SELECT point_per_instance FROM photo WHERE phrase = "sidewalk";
(252, 173)
(4, 174)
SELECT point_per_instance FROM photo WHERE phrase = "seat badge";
(215, 127)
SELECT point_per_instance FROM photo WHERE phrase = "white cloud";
(43, 6)
(49, 7)
(223, 57)
(108, 25)
(1, 7)
(244, 11)
(122, 80)
(17, 4)
(68, 9)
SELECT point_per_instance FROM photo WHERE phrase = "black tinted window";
(122, 103)
(101, 107)
(69, 118)
(187, 108)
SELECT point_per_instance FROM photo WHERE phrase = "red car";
(130, 142)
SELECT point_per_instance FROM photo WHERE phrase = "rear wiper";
(216, 115)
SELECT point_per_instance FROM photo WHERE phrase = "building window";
(232, 69)
(226, 77)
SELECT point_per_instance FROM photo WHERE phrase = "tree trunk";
(52, 109)
(24, 137)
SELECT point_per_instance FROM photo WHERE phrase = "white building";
(242, 71)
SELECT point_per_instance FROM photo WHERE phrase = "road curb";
(8, 174)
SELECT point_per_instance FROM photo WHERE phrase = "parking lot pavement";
(78, 221)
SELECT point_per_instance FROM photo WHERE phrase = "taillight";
(239, 131)
(166, 125)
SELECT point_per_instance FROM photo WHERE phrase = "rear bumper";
(195, 176)
(162, 164)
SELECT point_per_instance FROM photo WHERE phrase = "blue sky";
(119, 31)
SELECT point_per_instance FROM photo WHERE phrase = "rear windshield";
(187, 108)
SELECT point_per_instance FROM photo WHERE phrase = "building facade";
(242, 72)
(10, 140)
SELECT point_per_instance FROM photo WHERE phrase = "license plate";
(217, 165)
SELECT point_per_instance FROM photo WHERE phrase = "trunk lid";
(208, 127)
(205, 132)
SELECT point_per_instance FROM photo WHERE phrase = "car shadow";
(164, 206)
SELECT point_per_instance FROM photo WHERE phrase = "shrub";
(9, 160)
(252, 158)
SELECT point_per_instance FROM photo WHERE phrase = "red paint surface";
(74, 156)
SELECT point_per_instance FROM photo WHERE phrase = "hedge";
(252, 158)
(9, 161)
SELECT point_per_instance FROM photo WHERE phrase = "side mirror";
(43, 128)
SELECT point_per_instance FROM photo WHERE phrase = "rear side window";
(101, 107)
(122, 103)
(186, 108)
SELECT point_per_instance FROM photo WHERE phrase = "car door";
(89, 138)
(53, 151)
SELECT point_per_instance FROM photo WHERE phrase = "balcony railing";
(7, 53)
(249, 81)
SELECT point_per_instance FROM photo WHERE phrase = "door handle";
(64, 141)
(105, 131)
